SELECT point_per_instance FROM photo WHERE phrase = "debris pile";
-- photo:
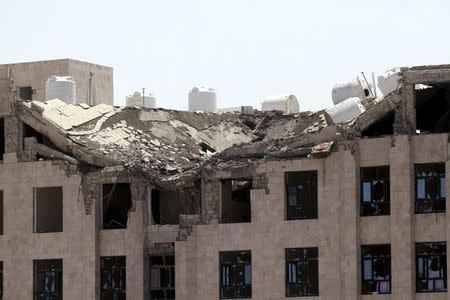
(166, 146)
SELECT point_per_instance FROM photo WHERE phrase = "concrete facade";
(338, 232)
(35, 75)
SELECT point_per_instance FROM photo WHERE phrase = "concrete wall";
(102, 82)
(35, 74)
(19, 246)
(338, 232)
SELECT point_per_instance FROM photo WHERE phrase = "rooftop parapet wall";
(93, 81)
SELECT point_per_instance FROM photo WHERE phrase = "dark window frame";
(294, 266)
(434, 203)
(382, 208)
(227, 268)
(117, 266)
(385, 260)
(304, 178)
(107, 200)
(240, 193)
(167, 267)
(442, 257)
(36, 216)
(56, 271)
(25, 92)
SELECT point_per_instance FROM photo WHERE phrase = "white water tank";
(286, 104)
(148, 101)
(345, 90)
(202, 99)
(61, 87)
(346, 110)
(389, 81)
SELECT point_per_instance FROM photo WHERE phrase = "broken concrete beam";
(300, 152)
(427, 76)
(322, 150)
(48, 152)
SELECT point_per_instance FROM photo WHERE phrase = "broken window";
(235, 200)
(116, 203)
(166, 207)
(25, 93)
(162, 277)
(375, 191)
(430, 188)
(431, 267)
(301, 195)
(302, 272)
(376, 269)
(235, 275)
(113, 278)
(433, 108)
(48, 279)
(48, 209)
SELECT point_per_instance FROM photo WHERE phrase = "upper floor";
(26, 81)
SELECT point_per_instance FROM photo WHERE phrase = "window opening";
(431, 267)
(301, 195)
(162, 277)
(113, 278)
(376, 269)
(430, 188)
(302, 272)
(235, 200)
(235, 275)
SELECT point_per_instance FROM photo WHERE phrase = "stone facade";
(338, 232)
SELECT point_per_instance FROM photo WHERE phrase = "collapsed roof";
(166, 143)
(164, 146)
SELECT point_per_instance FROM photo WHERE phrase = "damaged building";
(103, 202)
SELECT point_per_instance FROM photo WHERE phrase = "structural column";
(349, 224)
(402, 213)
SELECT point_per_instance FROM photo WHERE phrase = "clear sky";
(244, 49)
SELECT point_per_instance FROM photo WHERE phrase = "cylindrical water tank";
(389, 81)
(61, 87)
(202, 99)
(344, 90)
(148, 101)
(346, 110)
(286, 104)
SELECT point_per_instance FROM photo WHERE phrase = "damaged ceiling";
(165, 145)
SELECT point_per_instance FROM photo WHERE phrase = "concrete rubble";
(169, 148)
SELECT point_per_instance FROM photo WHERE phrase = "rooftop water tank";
(344, 90)
(286, 104)
(148, 101)
(389, 81)
(345, 110)
(202, 99)
(61, 87)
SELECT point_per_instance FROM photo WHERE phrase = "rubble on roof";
(167, 146)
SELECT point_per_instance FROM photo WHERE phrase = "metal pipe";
(374, 86)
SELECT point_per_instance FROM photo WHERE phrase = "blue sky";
(244, 49)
